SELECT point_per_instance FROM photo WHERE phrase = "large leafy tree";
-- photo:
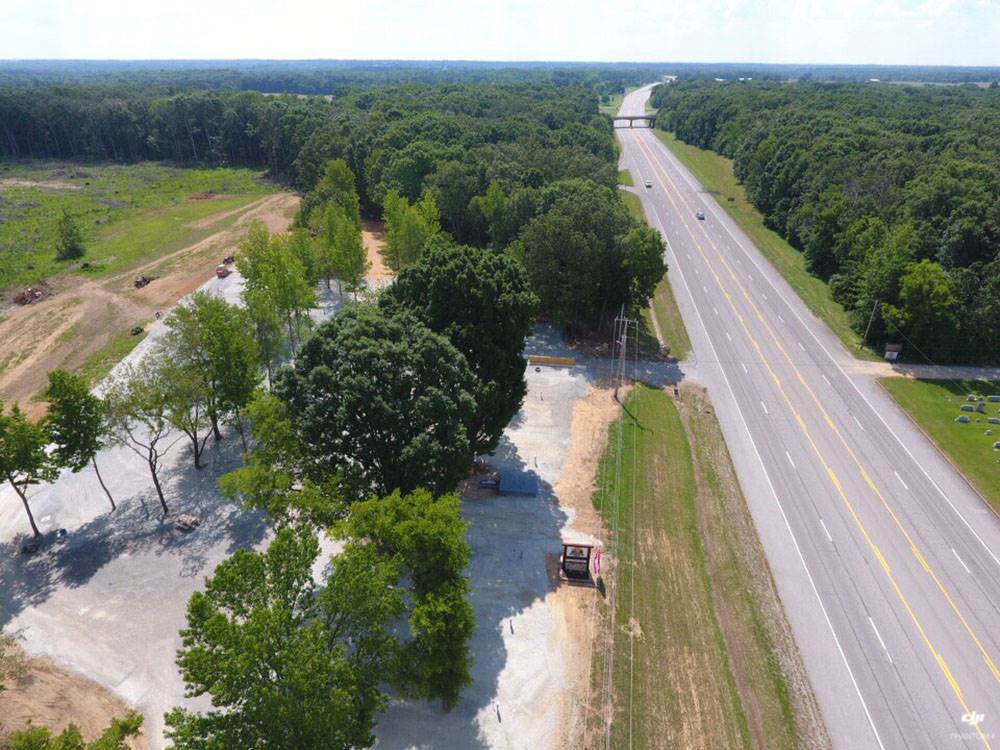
(211, 346)
(337, 187)
(276, 278)
(428, 535)
(585, 257)
(341, 252)
(276, 474)
(483, 303)
(383, 399)
(926, 310)
(77, 421)
(23, 458)
(287, 666)
(408, 227)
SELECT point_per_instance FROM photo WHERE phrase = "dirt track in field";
(82, 316)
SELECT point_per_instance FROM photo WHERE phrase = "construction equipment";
(29, 295)
(229, 260)
(575, 560)
(141, 281)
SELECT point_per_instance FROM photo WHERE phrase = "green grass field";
(126, 213)
(694, 661)
(934, 404)
(715, 172)
(625, 177)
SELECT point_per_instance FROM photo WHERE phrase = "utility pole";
(871, 318)
(626, 336)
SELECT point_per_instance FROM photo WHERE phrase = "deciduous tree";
(77, 422)
(286, 667)
(482, 301)
(384, 399)
(23, 458)
(138, 412)
(115, 737)
(69, 243)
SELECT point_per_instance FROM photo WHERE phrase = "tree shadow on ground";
(511, 538)
(546, 340)
(136, 528)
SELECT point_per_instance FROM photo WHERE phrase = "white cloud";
(957, 32)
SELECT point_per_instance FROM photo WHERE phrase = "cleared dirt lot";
(53, 697)
(83, 316)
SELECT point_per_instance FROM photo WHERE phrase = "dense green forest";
(525, 166)
(523, 133)
(891, 192)
(337, 76)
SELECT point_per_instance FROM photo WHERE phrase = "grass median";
(663, 305)
(934, 405)
(700, 655)
(715, 173)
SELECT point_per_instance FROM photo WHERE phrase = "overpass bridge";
(631, 119)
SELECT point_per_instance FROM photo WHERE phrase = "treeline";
(396, 136)
(529, 168)
(320, 77)
(892, 194)
(337, 77)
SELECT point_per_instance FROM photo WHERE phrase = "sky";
(919, 32)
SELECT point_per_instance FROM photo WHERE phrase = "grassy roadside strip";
(702, 654)
(97, 366)
(933, 406)
(625, 177)
(715, 172)
(663, 305)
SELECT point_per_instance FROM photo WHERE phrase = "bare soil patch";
(575, 607)
(83, 316)
(53, 697)
(373, 237)
(14, 182)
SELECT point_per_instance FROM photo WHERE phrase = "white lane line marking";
(825, 378)
(705, 288)
(961, 561)
(858, 422)
(789, 457)
(744, 368)
(716, 310)
(825, 531)
(764, 407)
(781, 319)
(800, 345)
(689, 257)
(763, 295)
(756, 260)
(901, 480)
(879, 636)
(697, 272)
(728, 336)
(770, 482)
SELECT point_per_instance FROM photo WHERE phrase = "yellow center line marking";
(854, 457)
(660, 175)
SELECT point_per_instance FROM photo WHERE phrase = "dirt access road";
(82, 316)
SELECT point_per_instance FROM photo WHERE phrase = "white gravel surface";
(109, 599)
